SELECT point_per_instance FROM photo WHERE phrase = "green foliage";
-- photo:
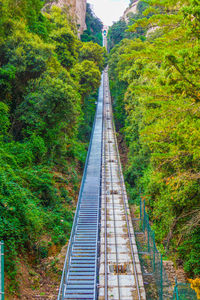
(26, 11)
(46, 78)
(190, 253)
(94, 28)
(159, 78)
(88, 76)
(24, 56)
(64, 38)
(51, 109)
(4, 118)
(93, 52)
(116, 33)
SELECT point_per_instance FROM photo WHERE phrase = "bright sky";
(109, 10)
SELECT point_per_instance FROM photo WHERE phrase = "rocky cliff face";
(77, 9)
(81, 13)
(130, 9)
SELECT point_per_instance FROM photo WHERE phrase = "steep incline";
(120, 272)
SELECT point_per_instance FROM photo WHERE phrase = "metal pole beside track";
(2, 270)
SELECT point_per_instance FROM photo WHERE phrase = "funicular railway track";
(102, 260)
(120, 272)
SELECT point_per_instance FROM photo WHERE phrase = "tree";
(92, 52)
(88, 76)
(46, 77)
(63, 38)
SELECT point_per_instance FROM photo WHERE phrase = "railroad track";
(102, 261)
(120, 271)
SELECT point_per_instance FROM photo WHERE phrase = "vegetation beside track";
(154, 79)
(48, 82)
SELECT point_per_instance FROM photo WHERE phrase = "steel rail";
(100, 197)
(112, 195)
(105, 203)
(96, 255)
(124, 202)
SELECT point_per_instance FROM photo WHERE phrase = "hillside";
(132, 9)
(155, 90)
(48, 82)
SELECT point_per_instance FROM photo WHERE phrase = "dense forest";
(48, 82)
(154, 74)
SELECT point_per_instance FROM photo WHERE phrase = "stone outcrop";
(77, 9)
(81, 13)
(131, 9)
